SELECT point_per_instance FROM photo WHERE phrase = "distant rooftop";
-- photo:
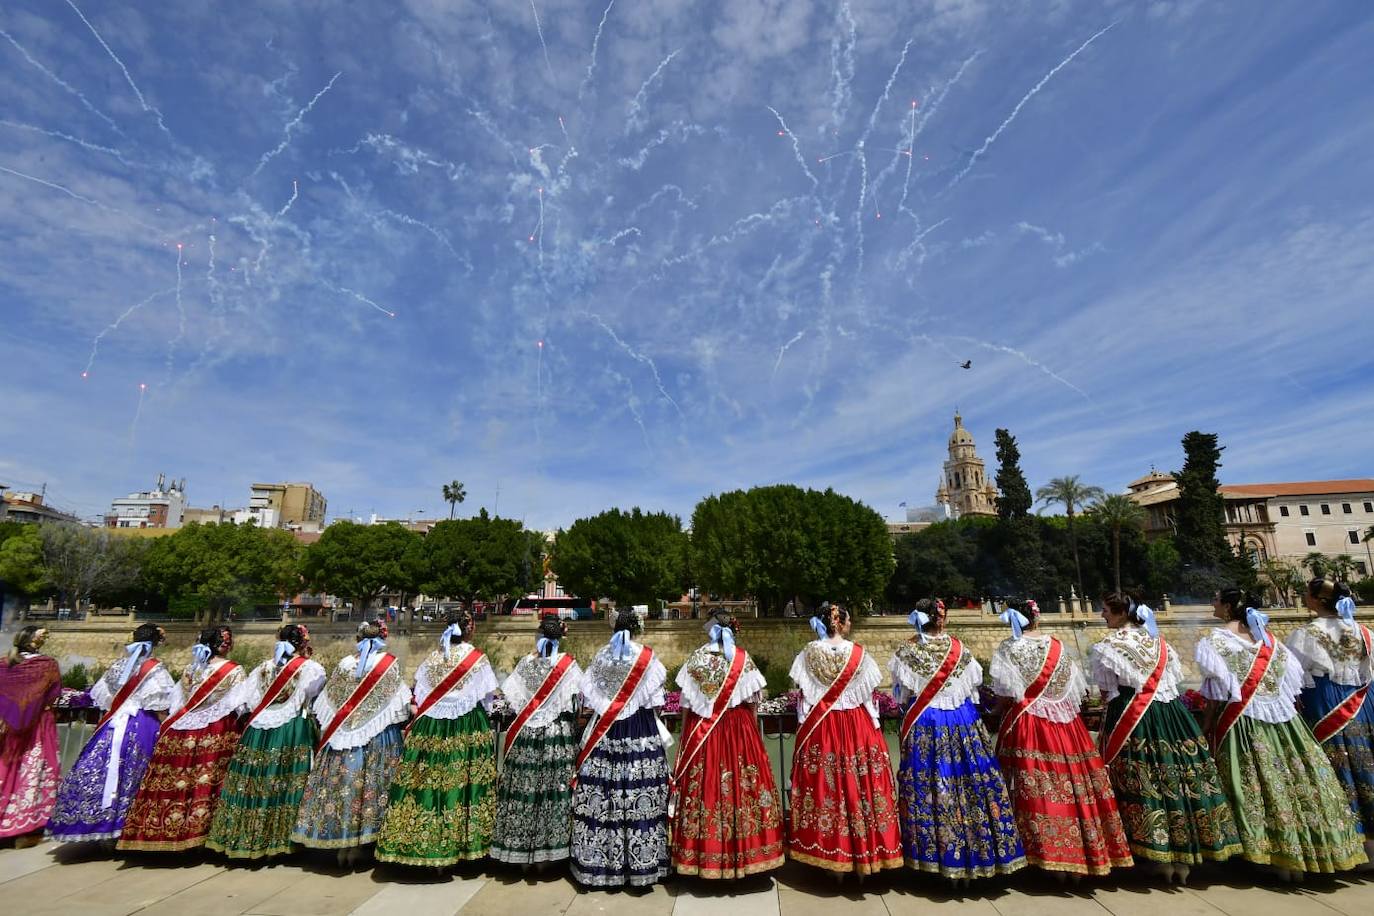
(1300, 488)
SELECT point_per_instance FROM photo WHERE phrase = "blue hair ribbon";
(919, 619)
(281, 652)
(726, 637)
(1016, 620)
(819, 628)
(200, 656)
(450, 631)
(1345, 609)
(1257, 623)
(1145, 615)
(620, 644)
(545, 646)
(137, 652)
(365, 649)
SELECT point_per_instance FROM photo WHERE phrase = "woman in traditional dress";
(1065, 809)
(177, 799)
(955, 813)
(360, 711)
(93, 800)
(266, 779)
(534, 797)
(443, 798)
(620, 800)
(29, 767)
(1337, 656)
(1167, 789)
(725, 808)
(844, 805)
(1289, 807)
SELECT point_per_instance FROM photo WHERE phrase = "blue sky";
(1136, 219)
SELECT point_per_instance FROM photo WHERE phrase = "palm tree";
(1341, 566)
(1118, 511)
(1317, 562)
(453, 495)
(1072, 494)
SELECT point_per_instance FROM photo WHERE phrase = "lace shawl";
(916, 663)
(1127, 657)
(477, 685)
(1017, 663)
(1327, 646)
(1225, 658)
(305, 685)
(605, 675)
(154, 694)
(820, 663)
(524, 682)
(387, 704)
(222, 701)
(703, 674)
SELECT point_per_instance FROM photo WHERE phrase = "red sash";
(360, 693)
(541, 696)
(283, 678)
(1033, 692)
(1331, 724)
(607, 719)
(127, 690)
(828, 700)
(932, 688)
(1232, 713)
(1135, 710)
(206, 688)
(693, 743)
(450, 681)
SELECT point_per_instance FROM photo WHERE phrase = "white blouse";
(1332, 648)
(388, 704)
(818, 665)
(916, 663)
(223, 701)
(477, 686)
(154, 694)
(1225, 658)
(1127, 658)
(304, 687)
(1017, 663)
(606, 674)
(703, 674)
(524, 682)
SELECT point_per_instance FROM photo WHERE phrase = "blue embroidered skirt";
(957, 819)
(1351, 750)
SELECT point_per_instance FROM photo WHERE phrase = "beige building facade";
(965, 490)
(295, 504)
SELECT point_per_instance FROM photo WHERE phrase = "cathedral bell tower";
(965, 489)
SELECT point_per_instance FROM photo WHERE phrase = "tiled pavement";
(56, 880)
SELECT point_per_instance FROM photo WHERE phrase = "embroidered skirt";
(534, 797)
(93, 800)
(956, 816)
(346, 794)
(1065, 809)
(179, 793)
(1351, 750)
(1289, 806)
(620, 808)
(29, 773)
(442, 796)
(263, 790)
(1167, 788)
(728, 814)
(844, 805)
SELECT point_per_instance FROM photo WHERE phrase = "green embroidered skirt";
(262, 791)
(534, 801)
(1167, 788)
(442, 800)
(1289, 807)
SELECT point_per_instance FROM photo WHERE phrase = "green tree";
(1162, 565)
(1284, 577)
(632, 557)
(935, 561)
(1073, 495)
(220, 566)
(21, 562)
(1117, 512)
(1317, 562)
(364, 562)
(454, 493)
(1013, 493)
(1200, 519)
(477, 558)
(1341, 567)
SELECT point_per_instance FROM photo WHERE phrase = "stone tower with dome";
(965, 490)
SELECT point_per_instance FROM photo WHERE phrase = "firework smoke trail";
(181, 321)
(681, 195)
(361, 298)
(841, 66)
(295, 190)
(537, 234)
(636, 162)
(291, 126)
(641, 358)
(61, 82)
(548, 66)
(406, 158)
(59, 135)
(1011, 351)
(917, 243)
(127, 76)
(138, 412)
(81, 197)
(777, 364)
(114, 326)
(796, 147)
(632, 122)
(917, 129)
(632, 230)
(591, 64)
(992, 138)
(859, 210)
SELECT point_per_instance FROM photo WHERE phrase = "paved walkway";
(50, 879)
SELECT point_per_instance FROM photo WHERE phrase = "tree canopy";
(1013, 493)
(363, 561)
(223, 565)
(1205, 553)
(478, 558)
(632, 557)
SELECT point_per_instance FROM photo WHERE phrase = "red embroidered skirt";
(844, 805)
(176, 800)
(1065, 810)
(728, 817)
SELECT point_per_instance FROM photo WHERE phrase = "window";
(1354, 536)
(1326, 509)
(1283, 510)
(1302, 510)
(1311, 539)
(1369, 507)
(1360, 568)
(1345, 507)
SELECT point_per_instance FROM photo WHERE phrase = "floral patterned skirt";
(1167, 788)
(728, 815)
(1289, 806)
(262, 791)
(82, 813)
(956, 816)
(1351, 750)
(1065, 809)
(346, 795)
(620, 807)
(844, 806)
(179, 793)
(534, 797)
(442, 800)
(29, 772)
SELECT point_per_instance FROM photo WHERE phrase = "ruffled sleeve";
(1006, 677)
(1313, 659)
(1102, 665)
(1218, 683)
